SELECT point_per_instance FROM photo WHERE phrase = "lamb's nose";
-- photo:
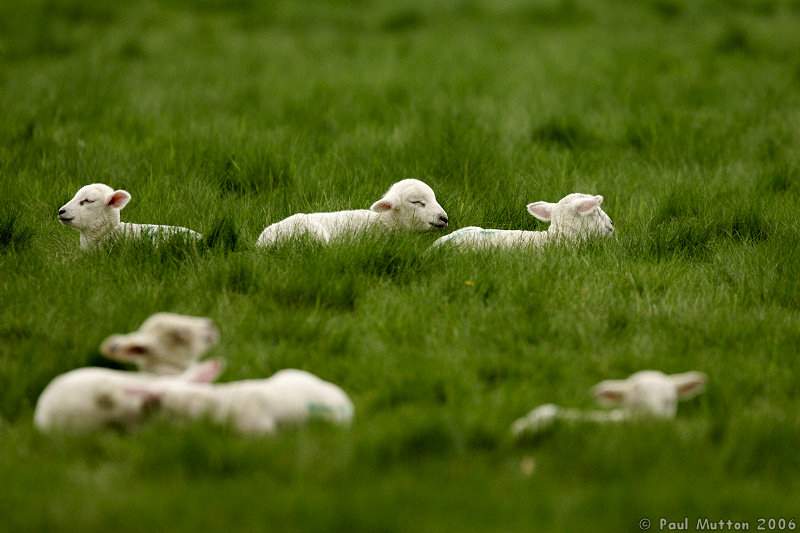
(443, 218)
(61, 211)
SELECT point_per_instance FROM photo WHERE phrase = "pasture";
(225, 116)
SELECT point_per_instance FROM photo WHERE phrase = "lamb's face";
(412, 205)
(166, 343)
(650, 392)
(574, 216)
(93, 208)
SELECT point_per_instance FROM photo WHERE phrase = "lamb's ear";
(689, 384)
(387, 203)
(384, 204)
(585, 205)
(541, 210)
(125, 349)
(118, 199)
(204, 372)
(610, 392)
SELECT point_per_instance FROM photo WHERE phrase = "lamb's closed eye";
(86, 201)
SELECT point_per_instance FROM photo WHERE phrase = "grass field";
(226, 116)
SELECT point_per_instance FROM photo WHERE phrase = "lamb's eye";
(86, 201)
(418, 202)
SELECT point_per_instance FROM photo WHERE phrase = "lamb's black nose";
(443, 218)
(61, 211)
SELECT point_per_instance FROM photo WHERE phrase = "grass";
(225, 116)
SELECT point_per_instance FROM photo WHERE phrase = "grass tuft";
(14, 234)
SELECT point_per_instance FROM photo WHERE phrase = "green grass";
(226, 116)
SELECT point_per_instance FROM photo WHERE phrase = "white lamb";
(92, 398)
(256, 406)
(165, 343)
(648, 393)
(94, 211)
(409, 204)
(576, 216)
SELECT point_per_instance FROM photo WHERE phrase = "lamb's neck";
(93, 237)
(385, 219)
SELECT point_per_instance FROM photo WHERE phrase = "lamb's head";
(166, 343)
(574, 216)
(411, 204)
(650, 392)
(94, 208)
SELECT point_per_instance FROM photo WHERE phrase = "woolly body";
(409, 204)
(89, 399)
(259, 406)
(648, 393)
(576, 216)
(92, 398)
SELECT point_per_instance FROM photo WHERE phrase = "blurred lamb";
(90, 399)
(648, 393)
(409, 204)
(256, 406)
(94, 211)
(576, 216)
(165, 343)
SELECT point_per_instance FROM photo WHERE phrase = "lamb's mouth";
(439, 225)
(65, 220)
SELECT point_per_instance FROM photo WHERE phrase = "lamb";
(89, 399)
(165, 343)
(253, 407)
(648, 393)
(576, 216)
(409, 204)
(92, 398)
(94, 212)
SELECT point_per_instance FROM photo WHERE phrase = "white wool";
(409, 204)
(165, 343)
(648, 393)
(576, 216)
(92, 398)
(89, 399)
(94, 212)
(258, 406)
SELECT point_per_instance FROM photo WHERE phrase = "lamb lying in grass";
(255, 406)
(94, 211)
(90, 399)
(165, 343)
(409, 204)
(648, 393)
(576, 216)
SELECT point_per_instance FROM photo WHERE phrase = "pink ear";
(584, 206)
(119, 199)
(382, 205)
(541, 210)
(689, 384)
(205, 372)
(610, 392)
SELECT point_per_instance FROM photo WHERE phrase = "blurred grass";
(226, 116)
